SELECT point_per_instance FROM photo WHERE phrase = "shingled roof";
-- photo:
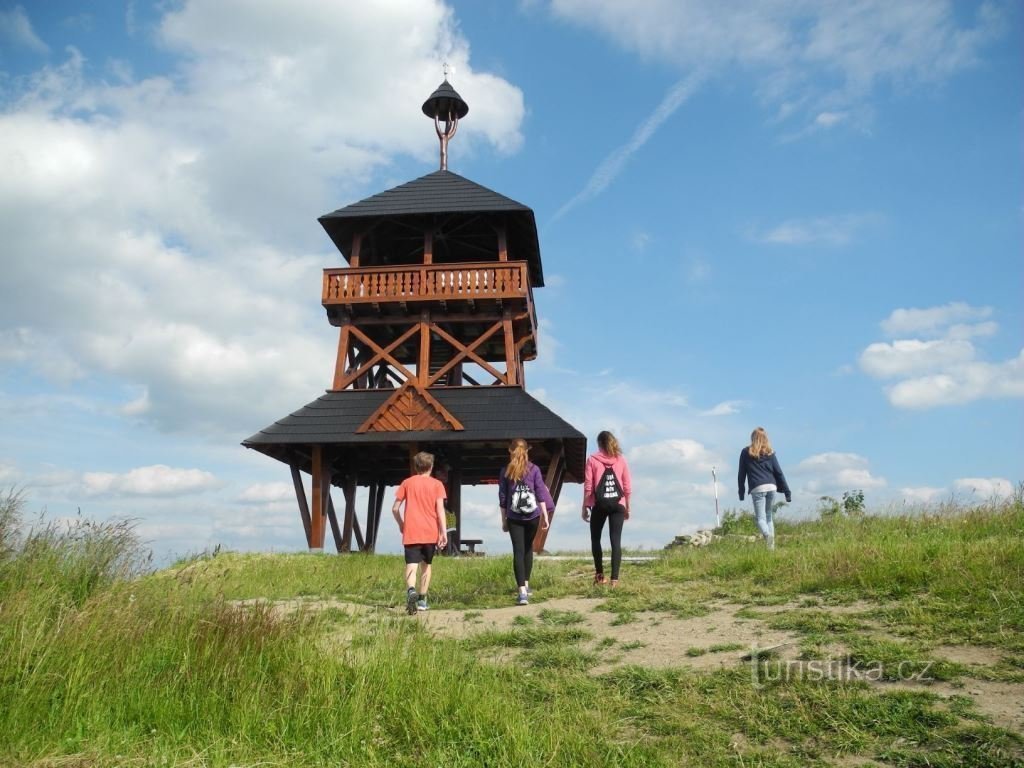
(492, 415)
(440, 192)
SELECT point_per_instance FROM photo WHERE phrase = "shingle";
(489, 414)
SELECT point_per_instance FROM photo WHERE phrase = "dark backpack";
(524, 500)
(608, 491)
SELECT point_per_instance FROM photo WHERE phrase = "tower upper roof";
(461, 209)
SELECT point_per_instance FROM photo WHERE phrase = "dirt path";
(721, 639)
(660, 640)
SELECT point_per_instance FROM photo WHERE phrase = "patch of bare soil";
(969, 655)
(651, 638)
(1003, 703)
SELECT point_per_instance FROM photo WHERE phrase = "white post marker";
(718, 516)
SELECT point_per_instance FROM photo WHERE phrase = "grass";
(103, 663)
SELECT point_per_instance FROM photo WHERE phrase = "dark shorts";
(420, 553)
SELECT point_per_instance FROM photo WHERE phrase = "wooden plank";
(300, 496)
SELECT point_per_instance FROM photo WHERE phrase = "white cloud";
(834, 472)
(934, 321)
(911, 356)
(922, 494)
(187, 249)
(614, 163)
(816, 62)
(156, 480)
(829, 230)
(985, 487)
(264, 493)
(677, 453)
(16, 30)
(934, 372)
(726, 408)
(829, 119)
(962, 384)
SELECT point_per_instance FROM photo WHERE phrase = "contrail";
(612, 165)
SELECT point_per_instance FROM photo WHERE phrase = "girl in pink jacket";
(606, 491)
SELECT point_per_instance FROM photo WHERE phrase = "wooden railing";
(427, 282)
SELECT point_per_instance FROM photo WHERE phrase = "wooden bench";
(468, 546)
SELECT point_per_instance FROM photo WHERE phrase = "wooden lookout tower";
(436, 319)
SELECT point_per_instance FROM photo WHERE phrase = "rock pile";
(701, 538)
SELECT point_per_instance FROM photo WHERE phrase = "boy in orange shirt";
(423, 527)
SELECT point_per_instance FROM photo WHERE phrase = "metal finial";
(445, 105)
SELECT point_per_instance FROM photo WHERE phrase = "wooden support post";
(371, 505)
(502, 244)
(455, 498)
(377, 515)
(333, 517)
(357, 243)
(511, 354)
(428, 247)
(553, 480)
(349, 491)
(343, 351)
(423, 367)
(321, 494)
(300, 496)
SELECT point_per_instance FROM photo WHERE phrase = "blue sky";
(801, 215)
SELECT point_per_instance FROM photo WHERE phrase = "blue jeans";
(763, 501)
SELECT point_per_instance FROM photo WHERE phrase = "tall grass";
(102, 664)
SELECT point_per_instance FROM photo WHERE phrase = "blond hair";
(606, 442)
(423, 461)
(759, 444)
(516, 468)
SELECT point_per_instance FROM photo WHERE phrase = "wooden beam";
(335, 531)
(462, 352)
(379, 354)
(343, 350)
(455, 496)
(551, 480)
(511, 369)
(428, 247)
(300, 496)
(349, 492)
(357, 244)
(377, 516)
(321, 493)
(423, 367)
(502, 244)
(371, 506)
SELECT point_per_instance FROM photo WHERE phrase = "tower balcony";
(455, 289)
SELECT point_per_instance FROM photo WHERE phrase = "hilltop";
(873, 640)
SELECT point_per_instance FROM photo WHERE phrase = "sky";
(802, 215)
